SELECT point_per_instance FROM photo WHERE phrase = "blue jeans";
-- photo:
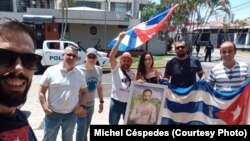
(83, 124)
(54, 121)
(116, 109)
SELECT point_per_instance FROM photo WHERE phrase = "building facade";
(92, 23)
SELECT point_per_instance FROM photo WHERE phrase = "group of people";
(181, 71)
(71, 95)
(67, 92)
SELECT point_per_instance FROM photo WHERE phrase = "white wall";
(82, 32)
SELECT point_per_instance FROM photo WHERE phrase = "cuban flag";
(200, 104)
(141, 33)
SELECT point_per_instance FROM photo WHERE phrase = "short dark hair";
(147, 90)
(10, 24)
(179, 41)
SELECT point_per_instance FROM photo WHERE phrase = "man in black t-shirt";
(181, 70)
(17, 64)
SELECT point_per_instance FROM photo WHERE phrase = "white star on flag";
(236, 112)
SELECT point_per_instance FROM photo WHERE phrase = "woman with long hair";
(146, 71)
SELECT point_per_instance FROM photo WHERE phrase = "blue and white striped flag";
(199, 104)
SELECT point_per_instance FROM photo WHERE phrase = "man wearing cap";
(93, 75)
(121, 79)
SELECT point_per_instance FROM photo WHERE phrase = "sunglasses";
(91, 56)
(71, 55)
(180, 47)
(29, 60)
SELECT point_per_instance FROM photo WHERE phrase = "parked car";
(52, 51)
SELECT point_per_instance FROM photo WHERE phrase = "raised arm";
(114, 50)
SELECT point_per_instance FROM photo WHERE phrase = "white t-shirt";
(63, 88)
(120, 84)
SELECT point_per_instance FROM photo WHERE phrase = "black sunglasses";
(29, 60)
(91, 56)
(72, 55)
(182, 47)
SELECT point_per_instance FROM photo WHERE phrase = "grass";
(159, 62)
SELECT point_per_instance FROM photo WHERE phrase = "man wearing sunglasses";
(181, 70)
(93, 75)
(64, 83)
(17, 65)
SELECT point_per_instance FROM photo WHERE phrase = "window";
(120, 7)
(54, 45)
(6, 5)
(87, 4)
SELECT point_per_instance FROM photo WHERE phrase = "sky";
(240, 8)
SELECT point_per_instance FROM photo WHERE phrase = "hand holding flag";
(141, 33)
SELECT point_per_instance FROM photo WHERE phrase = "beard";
(125, 66)
(13, 98)
(181, 54)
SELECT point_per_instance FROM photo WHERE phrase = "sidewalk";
(37, 115)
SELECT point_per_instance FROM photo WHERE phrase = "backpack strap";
(126, 75)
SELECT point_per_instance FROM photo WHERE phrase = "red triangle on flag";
(237, 112)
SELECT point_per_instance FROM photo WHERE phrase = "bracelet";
(83, 106)
(101, 101)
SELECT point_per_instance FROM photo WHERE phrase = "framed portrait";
(146, 101)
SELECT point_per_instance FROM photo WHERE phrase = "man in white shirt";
(64, 84)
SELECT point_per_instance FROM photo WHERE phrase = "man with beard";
(144, 112)
(17, 65)
(121, 79)
(182, 69)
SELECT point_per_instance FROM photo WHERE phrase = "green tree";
(225, 29)
(189, 12)
(151, 9)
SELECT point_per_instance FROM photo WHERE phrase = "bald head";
(227, 52)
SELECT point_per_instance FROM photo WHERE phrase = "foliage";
(189, 12)
(151, 9)
(239, 24)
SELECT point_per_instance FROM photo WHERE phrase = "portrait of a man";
(145, 104)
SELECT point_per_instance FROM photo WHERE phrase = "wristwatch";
(101, 101)
(83, 106)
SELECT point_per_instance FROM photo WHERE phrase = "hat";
(126, 55)
(91, 51)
